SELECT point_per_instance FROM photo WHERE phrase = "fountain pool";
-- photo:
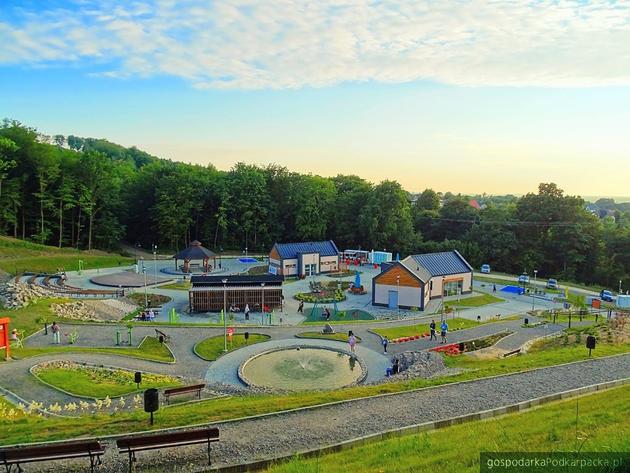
(302, 368)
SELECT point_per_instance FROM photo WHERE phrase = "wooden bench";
(183, 390)
(511, 353)
(159, 333)
(15, 456)
(131, 445)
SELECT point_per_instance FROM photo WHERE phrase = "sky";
(461, 96)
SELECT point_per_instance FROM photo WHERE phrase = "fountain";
(302, 368)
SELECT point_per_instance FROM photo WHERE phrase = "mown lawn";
(456, 323)
(178, 286)
(29, 319)
(456, 449)
(150, 349)
(211, 348)
(339, 337)
(39, 429)
(476, 301)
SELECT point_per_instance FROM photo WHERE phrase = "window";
(310, 269)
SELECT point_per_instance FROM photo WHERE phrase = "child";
(56, 333)
(352, 340)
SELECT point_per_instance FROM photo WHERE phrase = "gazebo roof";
(194, 251)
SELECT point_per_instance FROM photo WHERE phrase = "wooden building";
(414, 281)
(304, 259)
(213, 293)
(195, 252)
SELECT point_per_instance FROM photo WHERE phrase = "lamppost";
(146, 299)
(398, 295)
(535, 274)
(620, 287)
(155, 261)
(224, 281)
(262, 317)
(443, 289)
(534, 291)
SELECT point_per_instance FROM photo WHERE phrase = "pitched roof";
(291, 250)
(439, 264)
(400, 264)
(194, 251)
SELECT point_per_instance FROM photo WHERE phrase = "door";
(393, 300)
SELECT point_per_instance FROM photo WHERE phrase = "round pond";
(302, 369)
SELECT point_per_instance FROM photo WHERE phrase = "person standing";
(385, 342)
(432, 330)
(443, 331)
(301, 307)
(352, 341)
(56, 333)
(246, 311)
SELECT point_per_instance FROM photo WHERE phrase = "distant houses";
(304, 259)
(414, 281)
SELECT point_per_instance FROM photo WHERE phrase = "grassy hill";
(18, 256)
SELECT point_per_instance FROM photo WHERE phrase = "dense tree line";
(90, 193)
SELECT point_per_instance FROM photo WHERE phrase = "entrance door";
(393, 300)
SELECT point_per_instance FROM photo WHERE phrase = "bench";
(14, 456)
(511, 353)
(183, 390)
(159, 333)
(131, 445)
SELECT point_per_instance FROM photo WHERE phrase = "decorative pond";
(302, 369)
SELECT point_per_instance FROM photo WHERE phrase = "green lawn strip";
(50, 263)
(410, 330)
(177, 286)
(476, 301)
(40, 429)
(29, 318)
(456, 449)
(150, 349)
(343, 315)
(212, 348)
(339, 337)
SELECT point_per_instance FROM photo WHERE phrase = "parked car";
(523, 279)
(552, 284)
(485, 268)
(606, 296)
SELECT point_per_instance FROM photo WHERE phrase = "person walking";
(432, 330)
(301, 307)
(385, 342)
(443, 331)
(352, 341)
(56, 333)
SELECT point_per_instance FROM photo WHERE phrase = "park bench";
(15, 456)
(512, 353)
(131, 445)
(183, 390)
(159, 333)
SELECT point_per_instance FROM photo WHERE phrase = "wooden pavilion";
(212, 293)
(195, 252)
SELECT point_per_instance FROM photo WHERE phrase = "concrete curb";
(426, 426)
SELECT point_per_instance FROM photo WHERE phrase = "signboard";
(4, 337)
(273, 270)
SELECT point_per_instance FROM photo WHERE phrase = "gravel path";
(270, 437)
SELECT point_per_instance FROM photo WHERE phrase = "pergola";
(195, 252)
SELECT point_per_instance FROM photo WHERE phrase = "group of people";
(443, 330)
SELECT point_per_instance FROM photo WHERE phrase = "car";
(606, 296)
(485, 268)
(523, 279)
(552, 284)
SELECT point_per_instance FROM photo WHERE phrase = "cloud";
(281, 44)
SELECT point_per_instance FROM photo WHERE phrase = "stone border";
(194, 348)
(299, 335)
(91, 365)
(426, 426)
(249, 384)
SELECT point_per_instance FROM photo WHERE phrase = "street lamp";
(398, 295)
(146, 299)
(443, 280)
(620, 287)
(262, 316)
(155, 261)
(224, 281)
(535, 274)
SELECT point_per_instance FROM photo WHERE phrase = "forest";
(88, 193)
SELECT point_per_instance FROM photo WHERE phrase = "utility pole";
(224, 281)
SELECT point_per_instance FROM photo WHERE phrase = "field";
(456, 449)
(18, 256)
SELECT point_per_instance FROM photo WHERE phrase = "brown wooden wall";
(274, 254)
(406, 278)
(212, 301)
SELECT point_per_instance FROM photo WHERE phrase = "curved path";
(267, 437)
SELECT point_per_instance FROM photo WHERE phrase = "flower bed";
(96, 382)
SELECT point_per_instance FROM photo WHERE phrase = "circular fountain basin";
(302, 368)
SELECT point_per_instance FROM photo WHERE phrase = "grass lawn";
(349, 316)
(9, 410)
(150, 349)
(409, 330)
(475, 301)
(97, 383)
(211, 348)
(338, 337)
(456, 449)
(27, 319)
(178, 286)
(40, 429)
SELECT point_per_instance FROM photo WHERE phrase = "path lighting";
(146, 298)
(262, 317)
(224, 281)
(155, 261)
(443, 289)
(398, 295)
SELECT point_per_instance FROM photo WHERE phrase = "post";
(620, 287)
(535, 274)
(398, 295)
(569, 319)
(442, 316)
(224, 281)
(146, 298)
(262, 318)
(155, 261)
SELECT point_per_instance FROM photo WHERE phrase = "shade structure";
(194, 252)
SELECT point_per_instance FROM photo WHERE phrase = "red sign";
(230, 332)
